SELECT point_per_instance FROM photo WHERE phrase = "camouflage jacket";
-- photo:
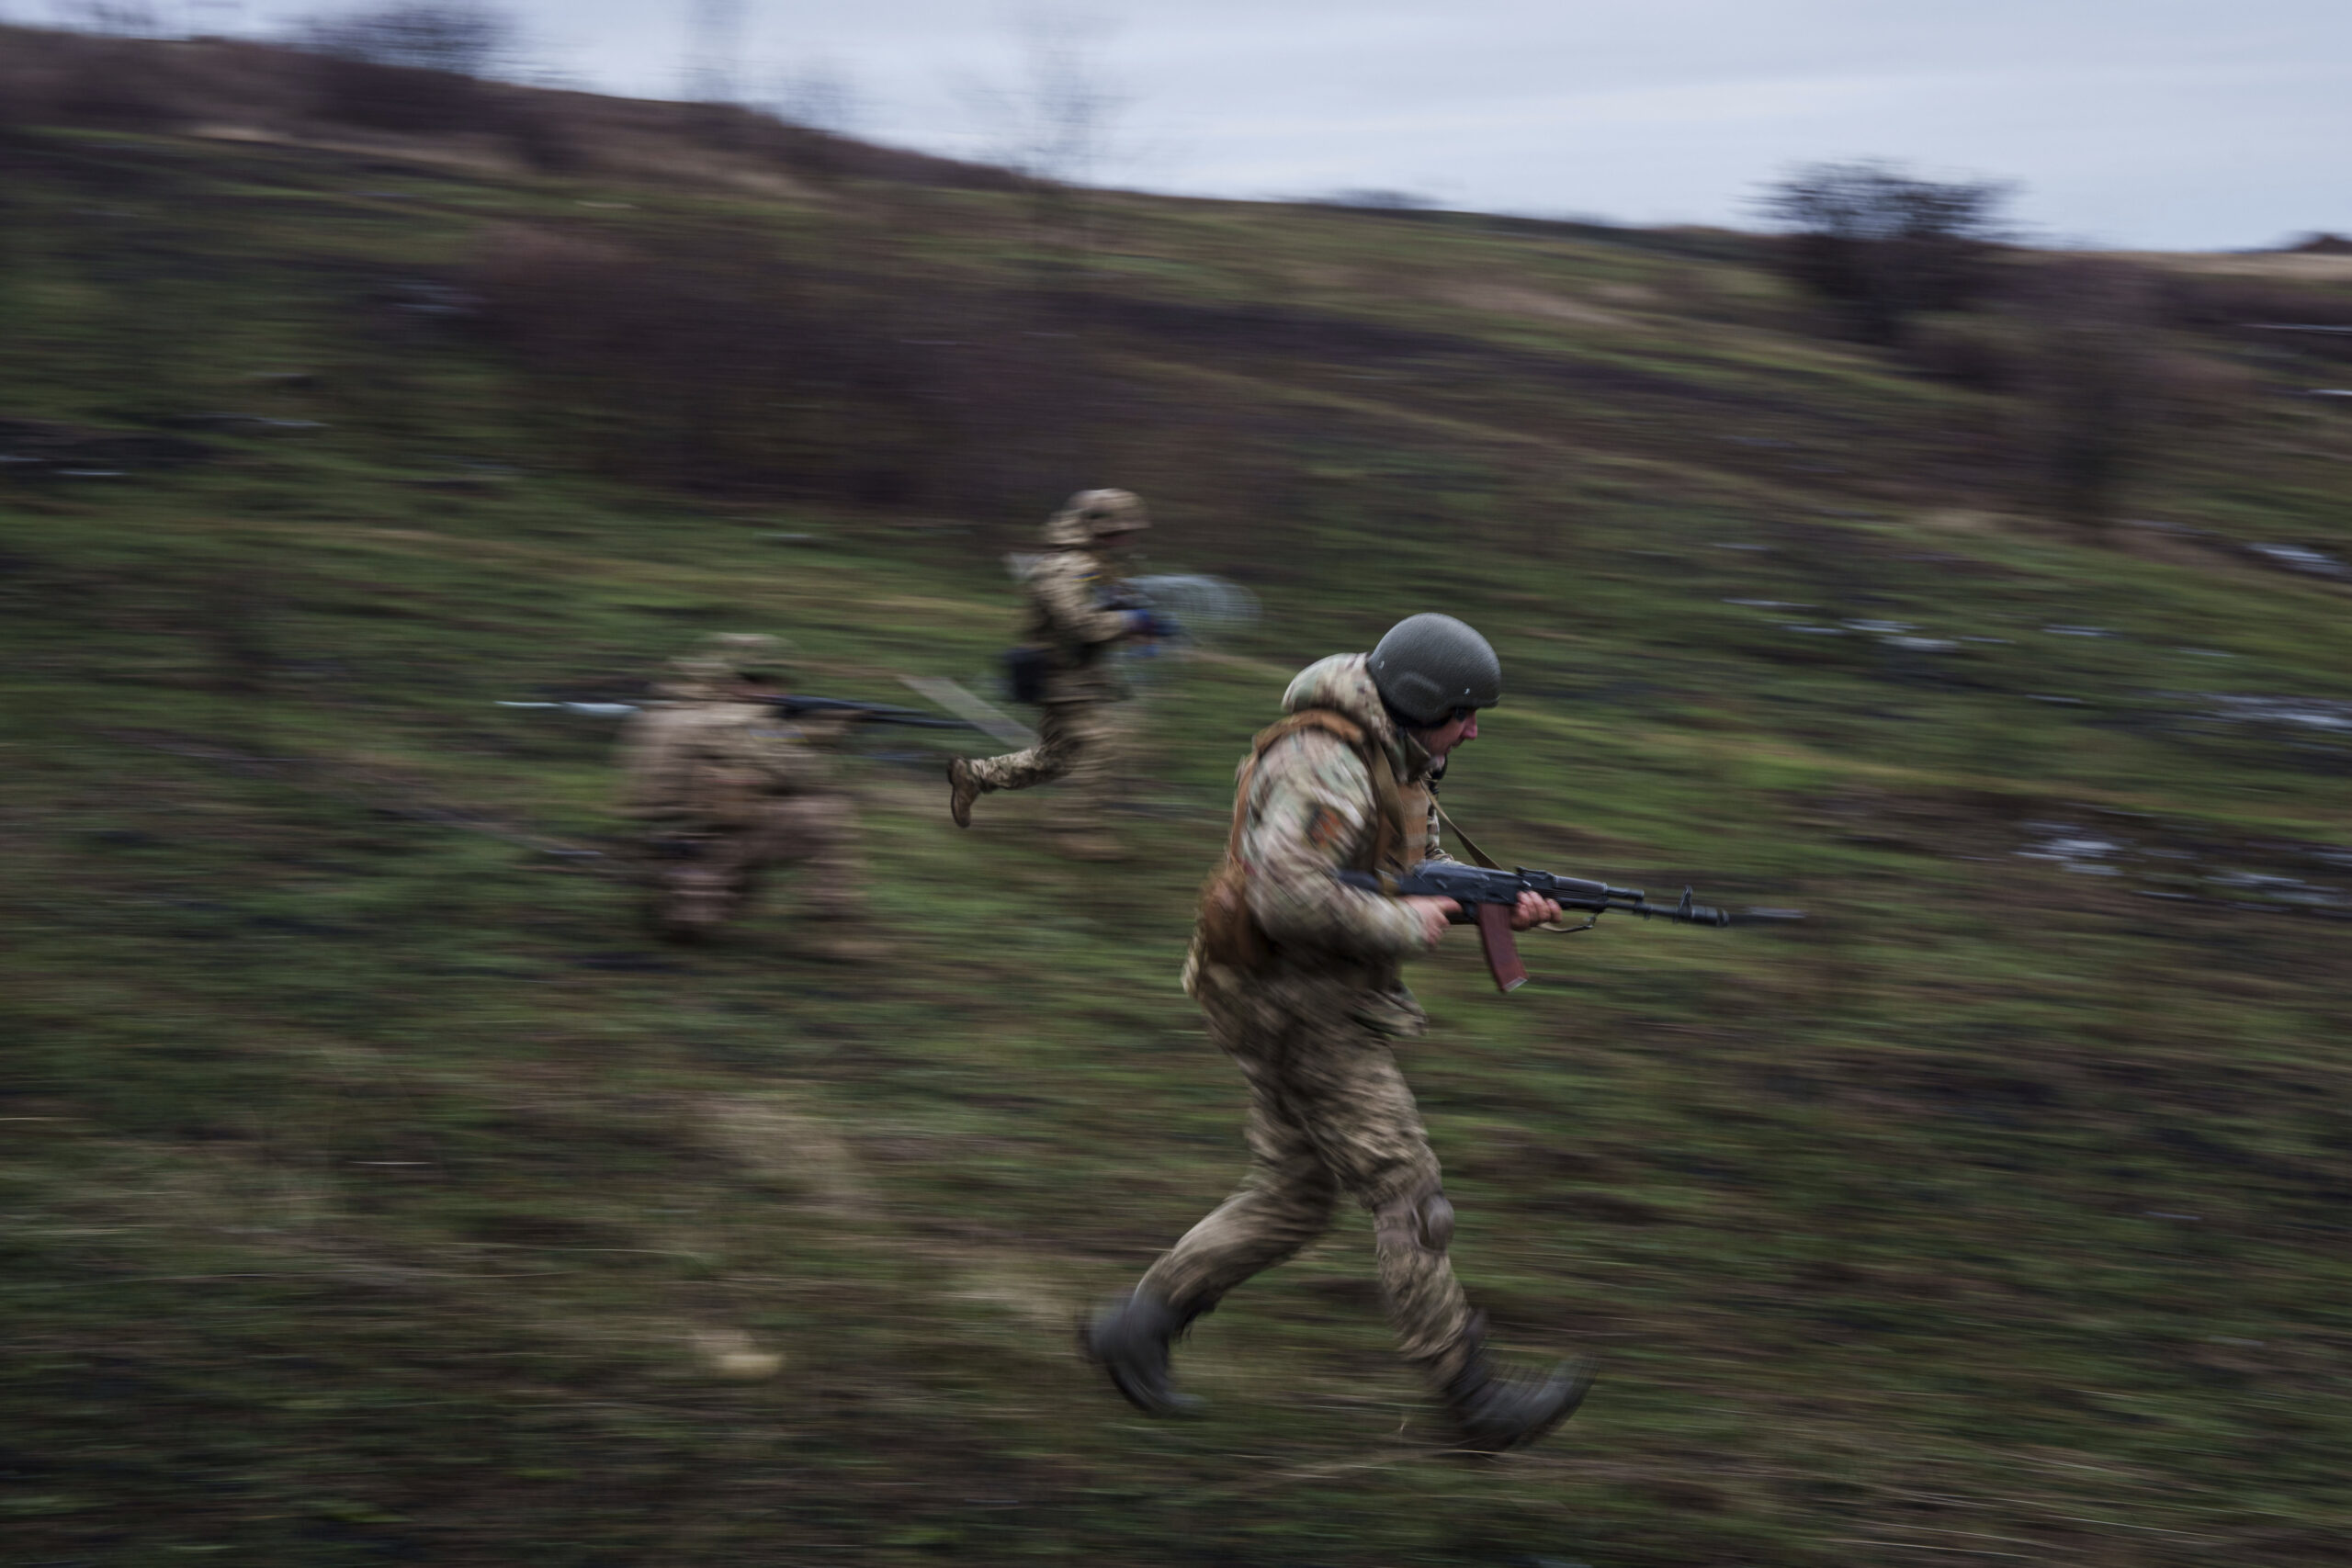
(1312, 812)
(1069, 616)
(697, 762)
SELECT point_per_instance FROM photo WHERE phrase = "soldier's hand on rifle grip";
(1534, 909)
(1435, 915)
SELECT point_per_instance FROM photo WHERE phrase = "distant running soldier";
(1298, 974)
(1078, 615)
(722, 787)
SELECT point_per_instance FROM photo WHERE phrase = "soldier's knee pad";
(1422, 1218)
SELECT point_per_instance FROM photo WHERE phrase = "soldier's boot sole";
(1492, 1412)
(961, 790)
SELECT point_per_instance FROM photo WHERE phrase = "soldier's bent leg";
(1343, 1086)
(1284, 1202)
(694, 883)
(1097, 737)
(818, 835)
(1434, 1325)
(723, 875)
(1062, 736)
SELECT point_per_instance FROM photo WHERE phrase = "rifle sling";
(1465, 841)
(1487, 862)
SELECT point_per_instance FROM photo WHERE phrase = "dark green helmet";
(1429, 665)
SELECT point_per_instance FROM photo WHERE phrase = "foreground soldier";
(1074, 620)
(1297, 974)
(723, 786)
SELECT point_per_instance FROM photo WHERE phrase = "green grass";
(375, 1190)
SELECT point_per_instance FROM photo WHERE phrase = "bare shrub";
(817, 96)
(1379, 200)
(411, 65)
(1983, 353)
(540, 131)
(1054, 124)
(112, 19)
(2108, 398)
(458, 37)
(1885, 247)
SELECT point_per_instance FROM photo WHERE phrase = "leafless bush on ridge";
(1885, 247)
(2107, 396)
(112, 19)
(2096, 384)
(410, 65)
(463, 37)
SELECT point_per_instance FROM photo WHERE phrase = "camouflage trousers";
(702, 877)
(1077, 741)
(1330, 1113)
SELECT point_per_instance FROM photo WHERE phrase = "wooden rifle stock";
(1501, 948)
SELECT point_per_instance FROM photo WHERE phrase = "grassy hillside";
(375, 1190)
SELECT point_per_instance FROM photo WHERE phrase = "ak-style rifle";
(1485, 896)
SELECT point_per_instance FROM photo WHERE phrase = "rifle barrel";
(881, 713)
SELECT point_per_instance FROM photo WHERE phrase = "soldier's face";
(1446, 737)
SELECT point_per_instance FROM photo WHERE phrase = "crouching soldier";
(1297, 973)
(1077, 616)
(722, 785)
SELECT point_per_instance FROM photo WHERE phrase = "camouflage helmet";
(1101, 513)
(1429, 665)
(723, 657)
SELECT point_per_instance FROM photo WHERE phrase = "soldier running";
(723, 786)
(1298, 976)
(1077, 616)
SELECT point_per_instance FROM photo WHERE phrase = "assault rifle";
(791, 706)
(1155, 625)
(1485, 899)
(871, 713)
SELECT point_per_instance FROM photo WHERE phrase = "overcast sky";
(2175, 123)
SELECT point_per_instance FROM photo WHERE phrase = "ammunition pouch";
(1025, 670)
(1227, 932)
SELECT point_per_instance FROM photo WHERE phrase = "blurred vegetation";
(1885, 246)
(375, 1190)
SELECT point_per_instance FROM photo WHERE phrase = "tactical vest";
(1228, 930)
(1065, 658)
(680, 772)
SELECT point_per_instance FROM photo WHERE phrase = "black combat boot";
(1493, 1410)
(1130, 1340)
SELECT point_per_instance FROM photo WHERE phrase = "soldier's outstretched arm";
(1070, 592)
